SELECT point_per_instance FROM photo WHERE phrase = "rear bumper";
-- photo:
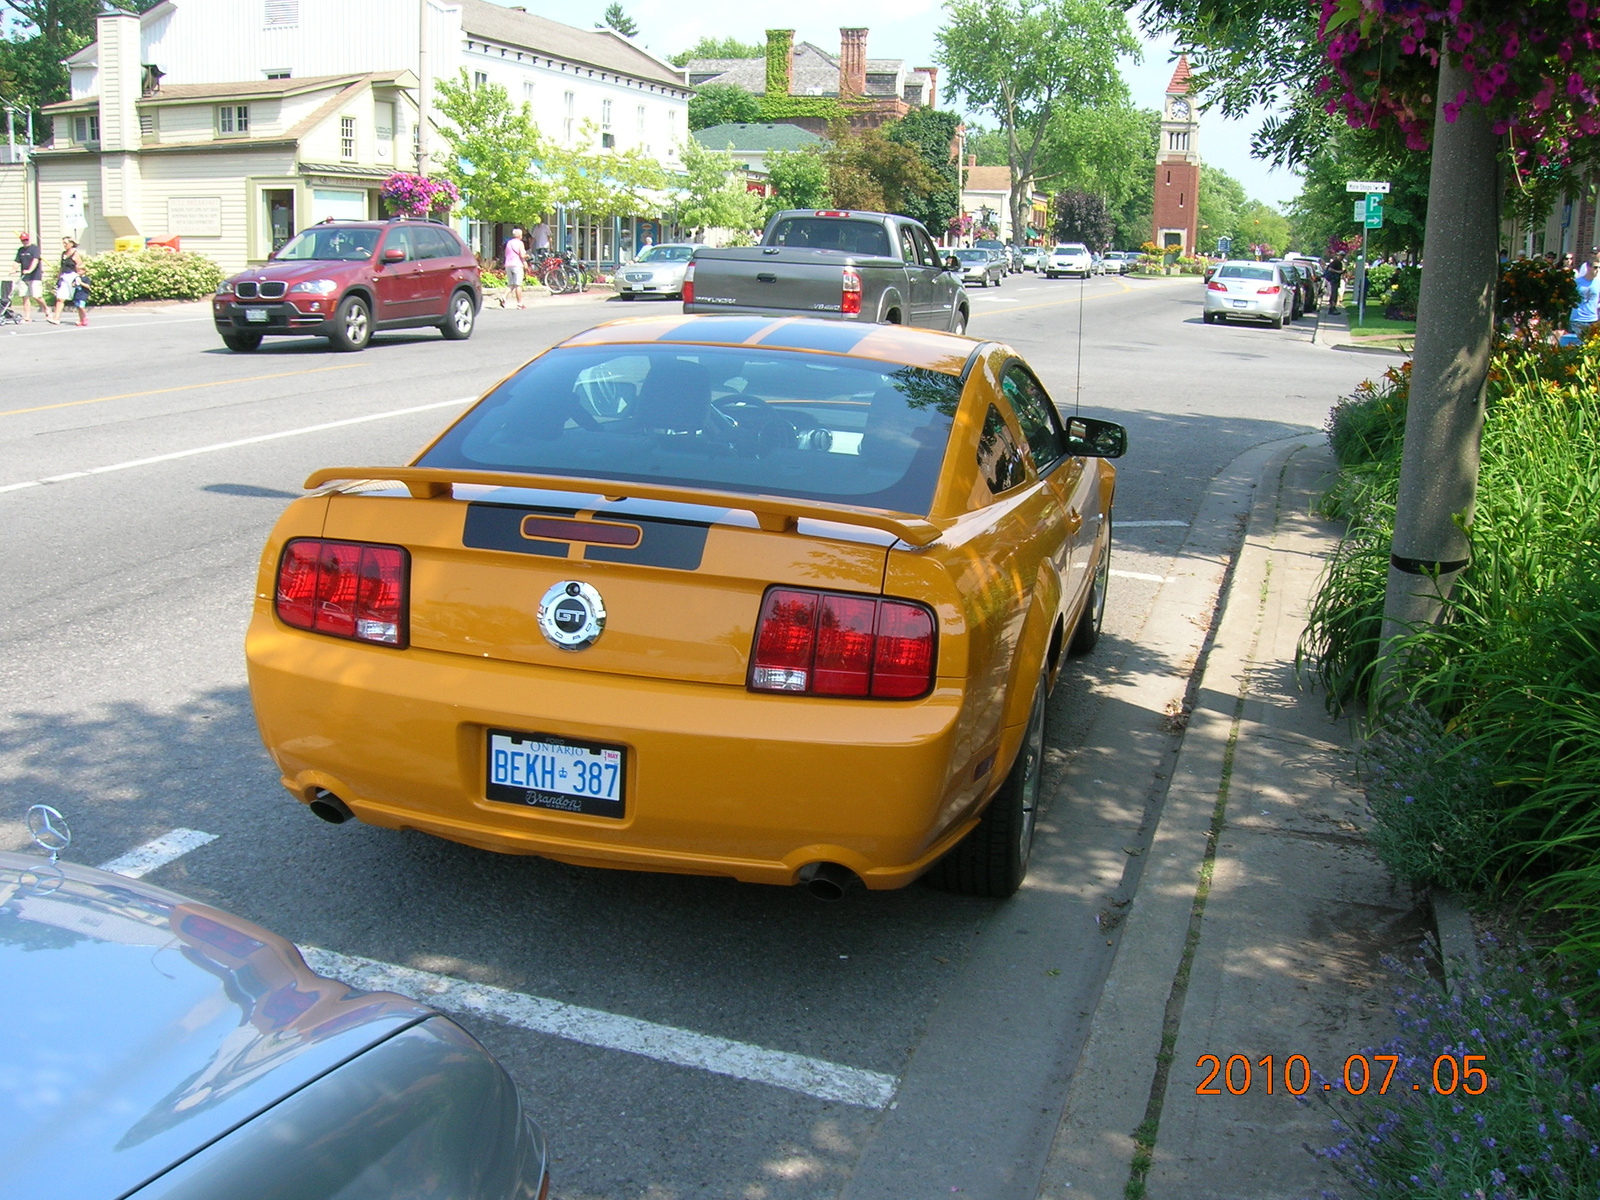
(717, 781)
(1263, 308)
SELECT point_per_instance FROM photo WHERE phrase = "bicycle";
(562, 273)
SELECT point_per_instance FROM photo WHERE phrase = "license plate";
(259, 315)
(1240, 303)
(540, 771)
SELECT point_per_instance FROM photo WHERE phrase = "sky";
(905, 29)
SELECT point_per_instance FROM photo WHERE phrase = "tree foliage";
(799, 179)
(1079, 216)
(714, 194)
(988, 146)
(1222, 199)
(594, 180)
(1109, 150)
(497, 158)
(710, 47)
(931, 133)
(720, 103)
(1020, 60)
(1322, 211)
(868, 171)
(616, 17)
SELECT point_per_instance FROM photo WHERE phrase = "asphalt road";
(141, 466)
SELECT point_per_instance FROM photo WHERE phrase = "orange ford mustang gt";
(774, 599)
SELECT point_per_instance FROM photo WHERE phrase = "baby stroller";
(7, 313)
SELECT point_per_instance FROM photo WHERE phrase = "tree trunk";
(1450, 367)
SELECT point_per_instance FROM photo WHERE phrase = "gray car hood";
(137, 1026)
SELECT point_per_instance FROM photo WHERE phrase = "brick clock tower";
(1177, 201)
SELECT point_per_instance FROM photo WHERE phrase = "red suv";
(344, 280)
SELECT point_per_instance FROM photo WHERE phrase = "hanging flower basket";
(418, 195)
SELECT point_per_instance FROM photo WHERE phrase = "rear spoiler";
(775, 514)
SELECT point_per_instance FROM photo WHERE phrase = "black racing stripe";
(835, 337)
(666, 542)
(731, 330)
(499, 527)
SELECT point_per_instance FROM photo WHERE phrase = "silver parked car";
(981, 266)
(156, 1048)
(1114, 262)
(1254, 290)
(658, 271)
(1032, 256)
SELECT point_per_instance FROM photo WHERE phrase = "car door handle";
(766, 277)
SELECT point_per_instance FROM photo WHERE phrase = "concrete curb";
(1458, 941)
(1110, 1090)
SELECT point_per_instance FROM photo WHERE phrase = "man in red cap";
(31, 272)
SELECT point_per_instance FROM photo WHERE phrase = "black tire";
(352, 325)
(1210, 318)
(626, 296)
(242, 342)
(1087, 635)
(993, 859)
(1276, 322)
(999, 281)
(986, 281)
(961, 322)
(460, 317)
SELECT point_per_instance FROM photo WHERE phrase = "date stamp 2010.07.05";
(1362, 1072)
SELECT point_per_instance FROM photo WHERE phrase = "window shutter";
(283, 14)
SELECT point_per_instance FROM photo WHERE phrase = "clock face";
(1180, 109)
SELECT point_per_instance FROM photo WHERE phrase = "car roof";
(904, 345)
(142, 1026)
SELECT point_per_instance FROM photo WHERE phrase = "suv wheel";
(242, 342)
(352, 324)
(457, 325)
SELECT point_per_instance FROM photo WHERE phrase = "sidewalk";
(1333, 331)
(1261, 917)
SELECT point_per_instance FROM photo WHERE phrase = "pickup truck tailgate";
(775, 280)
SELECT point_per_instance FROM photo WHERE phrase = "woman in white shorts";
(70, 284)
(516, 265)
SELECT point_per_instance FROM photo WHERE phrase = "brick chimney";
(852, 62)
(780, 62)
(933, 85)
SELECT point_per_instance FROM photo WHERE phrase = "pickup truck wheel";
(993, 859)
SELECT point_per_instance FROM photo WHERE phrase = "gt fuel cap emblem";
(571, 615)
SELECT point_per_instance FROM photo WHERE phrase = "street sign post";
(1359, 212)
(1224, 245)
(1369, 211)
(1366, 185)
(1374, 214)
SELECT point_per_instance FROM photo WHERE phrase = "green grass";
(1378, 325)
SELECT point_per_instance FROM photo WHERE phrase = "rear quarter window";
(999, 458)
(739, 419)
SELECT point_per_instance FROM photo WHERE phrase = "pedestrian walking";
(516, 266)
(30, 276)
(541, 237)
(1333, 274)
(72, 284)
(1588, 280)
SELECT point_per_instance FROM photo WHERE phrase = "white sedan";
(1069, 258)
(1254, 290)
(658, 271)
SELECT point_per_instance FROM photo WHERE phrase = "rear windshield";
(327, 242)
(1244, 271)
(739, 419)
(831, 233)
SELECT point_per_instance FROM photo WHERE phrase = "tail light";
(1269, 291)
(1214, 286)
(850, 295)
(834, 644)
(344, 589)
(688, 284)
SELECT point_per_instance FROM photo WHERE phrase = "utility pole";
(424, 87)
(1455, 332)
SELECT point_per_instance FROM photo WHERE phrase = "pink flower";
(1513, 45)
(1408, 44)
(1574, 84)
(1578, 9)
(1451, 111)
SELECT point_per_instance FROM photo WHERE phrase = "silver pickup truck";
(849, 266)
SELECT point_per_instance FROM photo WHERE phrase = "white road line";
(999, 300)
(158, 852)
(249, 441)
(1152, 524)
(1139, 575)
(665, 1043)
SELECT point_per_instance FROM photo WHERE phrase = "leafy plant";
(1405, 290)
(710, 47)
(126, 276)
(1533, 1130)
(721, 104)
(1533, 294)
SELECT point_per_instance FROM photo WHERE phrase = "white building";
(158, 70)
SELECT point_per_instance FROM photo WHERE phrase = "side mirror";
(1091, 438)
(394, 254)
